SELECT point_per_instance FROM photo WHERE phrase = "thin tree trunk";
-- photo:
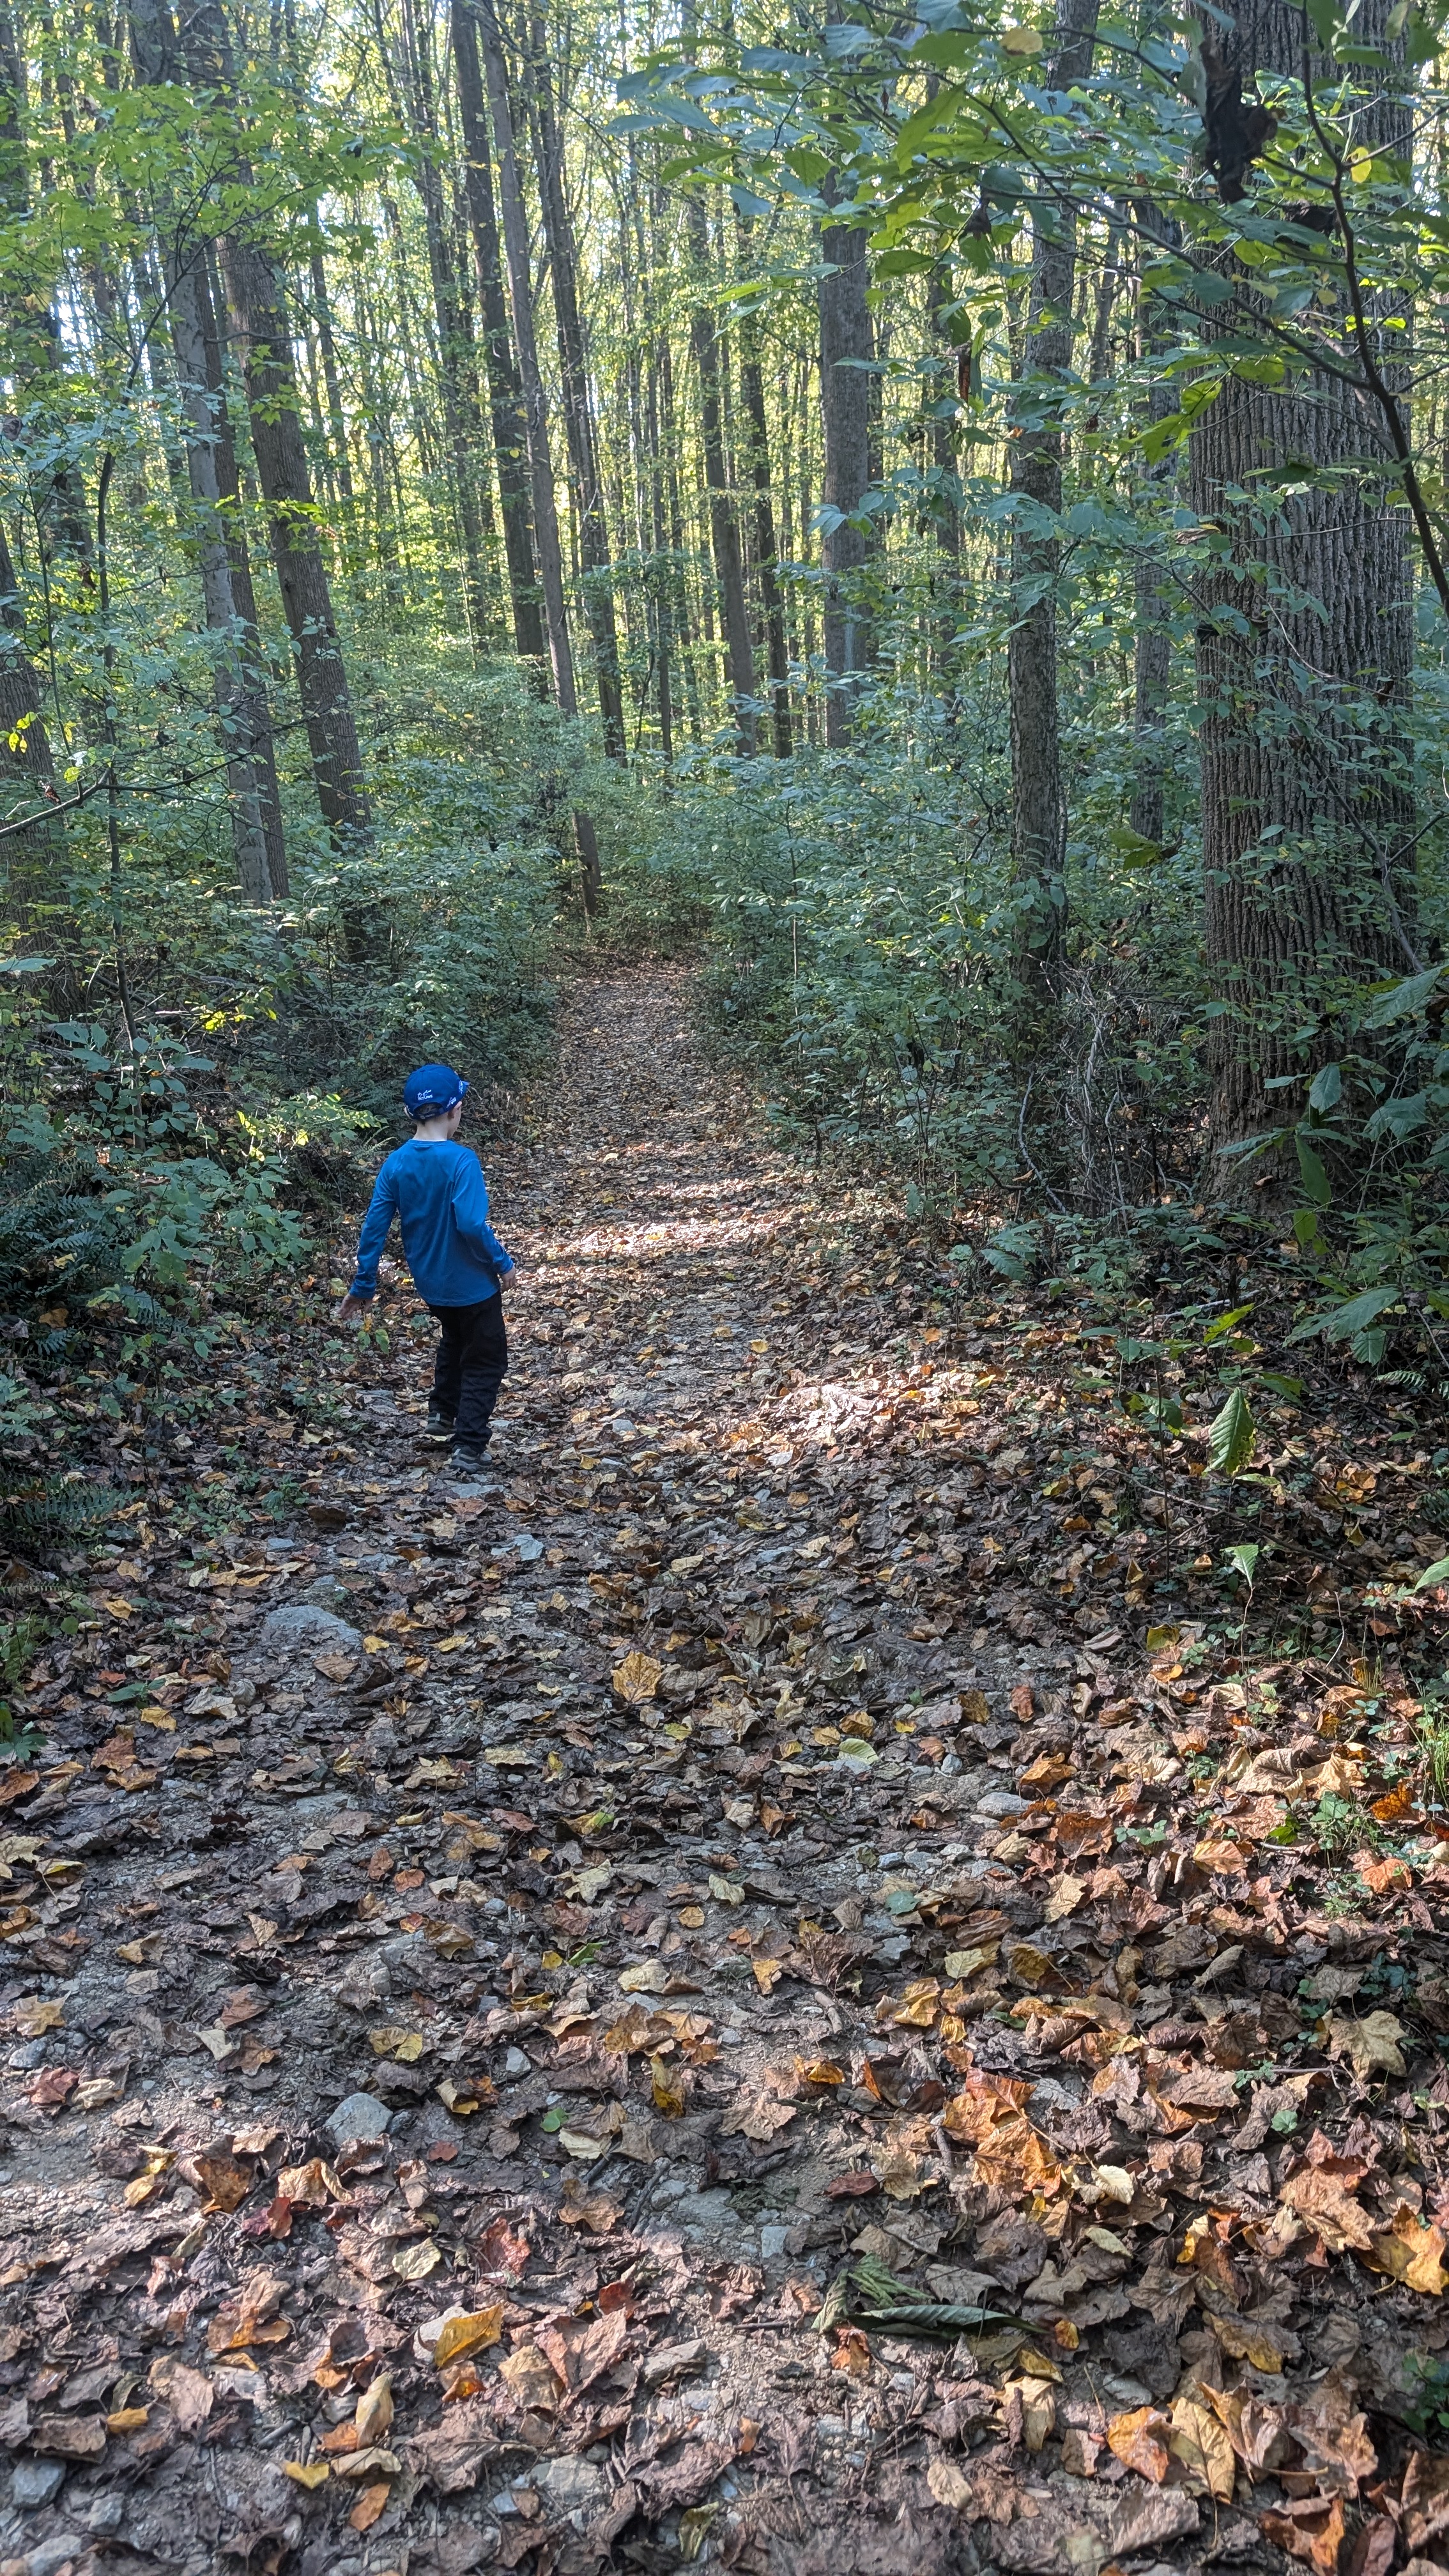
(25, 768)
(540, 458)
(258, 711)
(259, 326)
(574, 384)
(1039, 822)
(457, 376)
(510, 427)
(337, 417)
(845, 346)
(724, 526)
(158, 61)
(767, 551)
(1307, 810)
(249, 842)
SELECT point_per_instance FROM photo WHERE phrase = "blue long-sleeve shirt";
(438, 1193)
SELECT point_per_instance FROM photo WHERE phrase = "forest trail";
(512, 1945)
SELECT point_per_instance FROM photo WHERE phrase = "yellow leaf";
(668, 2089)
(307, 2473)
(1412, 2251)
(128, 2419)
(1021, 40)
(415, 2262)
(963, 1964)
(471, 2333)
(637, 1678)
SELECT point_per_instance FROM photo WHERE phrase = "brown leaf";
(1311, 2530)
(1139, 2438)
(1325, 2202)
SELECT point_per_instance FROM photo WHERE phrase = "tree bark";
(457, 376)
(540, 458)
(845, 347)
(767, 551)
(25, 771)
(574, 384)
(1305, 645)
(724, 526)
(331, 377)
(510, 427)
(259, 326)
(253, 658)
(157, 57)
(1039, 820)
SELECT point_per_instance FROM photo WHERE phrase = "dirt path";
(487, 1958)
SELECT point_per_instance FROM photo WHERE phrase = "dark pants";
(472, 1359)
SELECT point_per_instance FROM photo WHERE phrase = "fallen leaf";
(472, 2332)
(1139, 2438)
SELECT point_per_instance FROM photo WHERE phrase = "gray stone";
(1002, 1802)
(674, 2361)
(325, 1594)
(36, 2482)
(50, 2554)
(360, 2116)
(302, 1628)
(568, 2485)
(107, 2513)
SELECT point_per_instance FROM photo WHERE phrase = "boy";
(435, 1187)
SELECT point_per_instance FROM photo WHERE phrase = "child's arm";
(376, 1227)
(470, 1212)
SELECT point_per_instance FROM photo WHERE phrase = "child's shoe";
(469, 1463)
(439, 1430)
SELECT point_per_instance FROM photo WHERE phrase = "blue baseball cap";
(433, 1089)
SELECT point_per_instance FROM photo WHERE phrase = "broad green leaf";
(1314, 1178)
(1231, 1436)
(1327, 1088)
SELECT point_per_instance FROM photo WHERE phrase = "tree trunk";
(249, 840)
(767, 551)
(845, 343)
(724, 526)
(258, 711)
(1038, 805)
(259, 326)
(1308, 827)
(540, 458)
(457, 376)
(246, 746)
(510, 427)
(574, 383)
(336, 416)
(25, 771)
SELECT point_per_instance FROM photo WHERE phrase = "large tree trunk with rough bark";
(845, 349)
(767, 561)
(1038, 800)
(505, 391)
(1305, 639)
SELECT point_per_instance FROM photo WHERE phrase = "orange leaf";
(369, 2505)
(1139, 2439)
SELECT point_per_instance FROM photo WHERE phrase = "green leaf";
(1400, 999)
(1327, 1090)
(1231, 1436)
(1355, 1315)
(1433, 1574)
(1225, 1324)
(1243, 1558)
(1312, 1174)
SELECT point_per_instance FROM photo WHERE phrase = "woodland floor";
(465, 2006)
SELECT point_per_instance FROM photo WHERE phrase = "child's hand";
(351, 1310)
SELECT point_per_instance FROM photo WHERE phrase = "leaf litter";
(729, 1996)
